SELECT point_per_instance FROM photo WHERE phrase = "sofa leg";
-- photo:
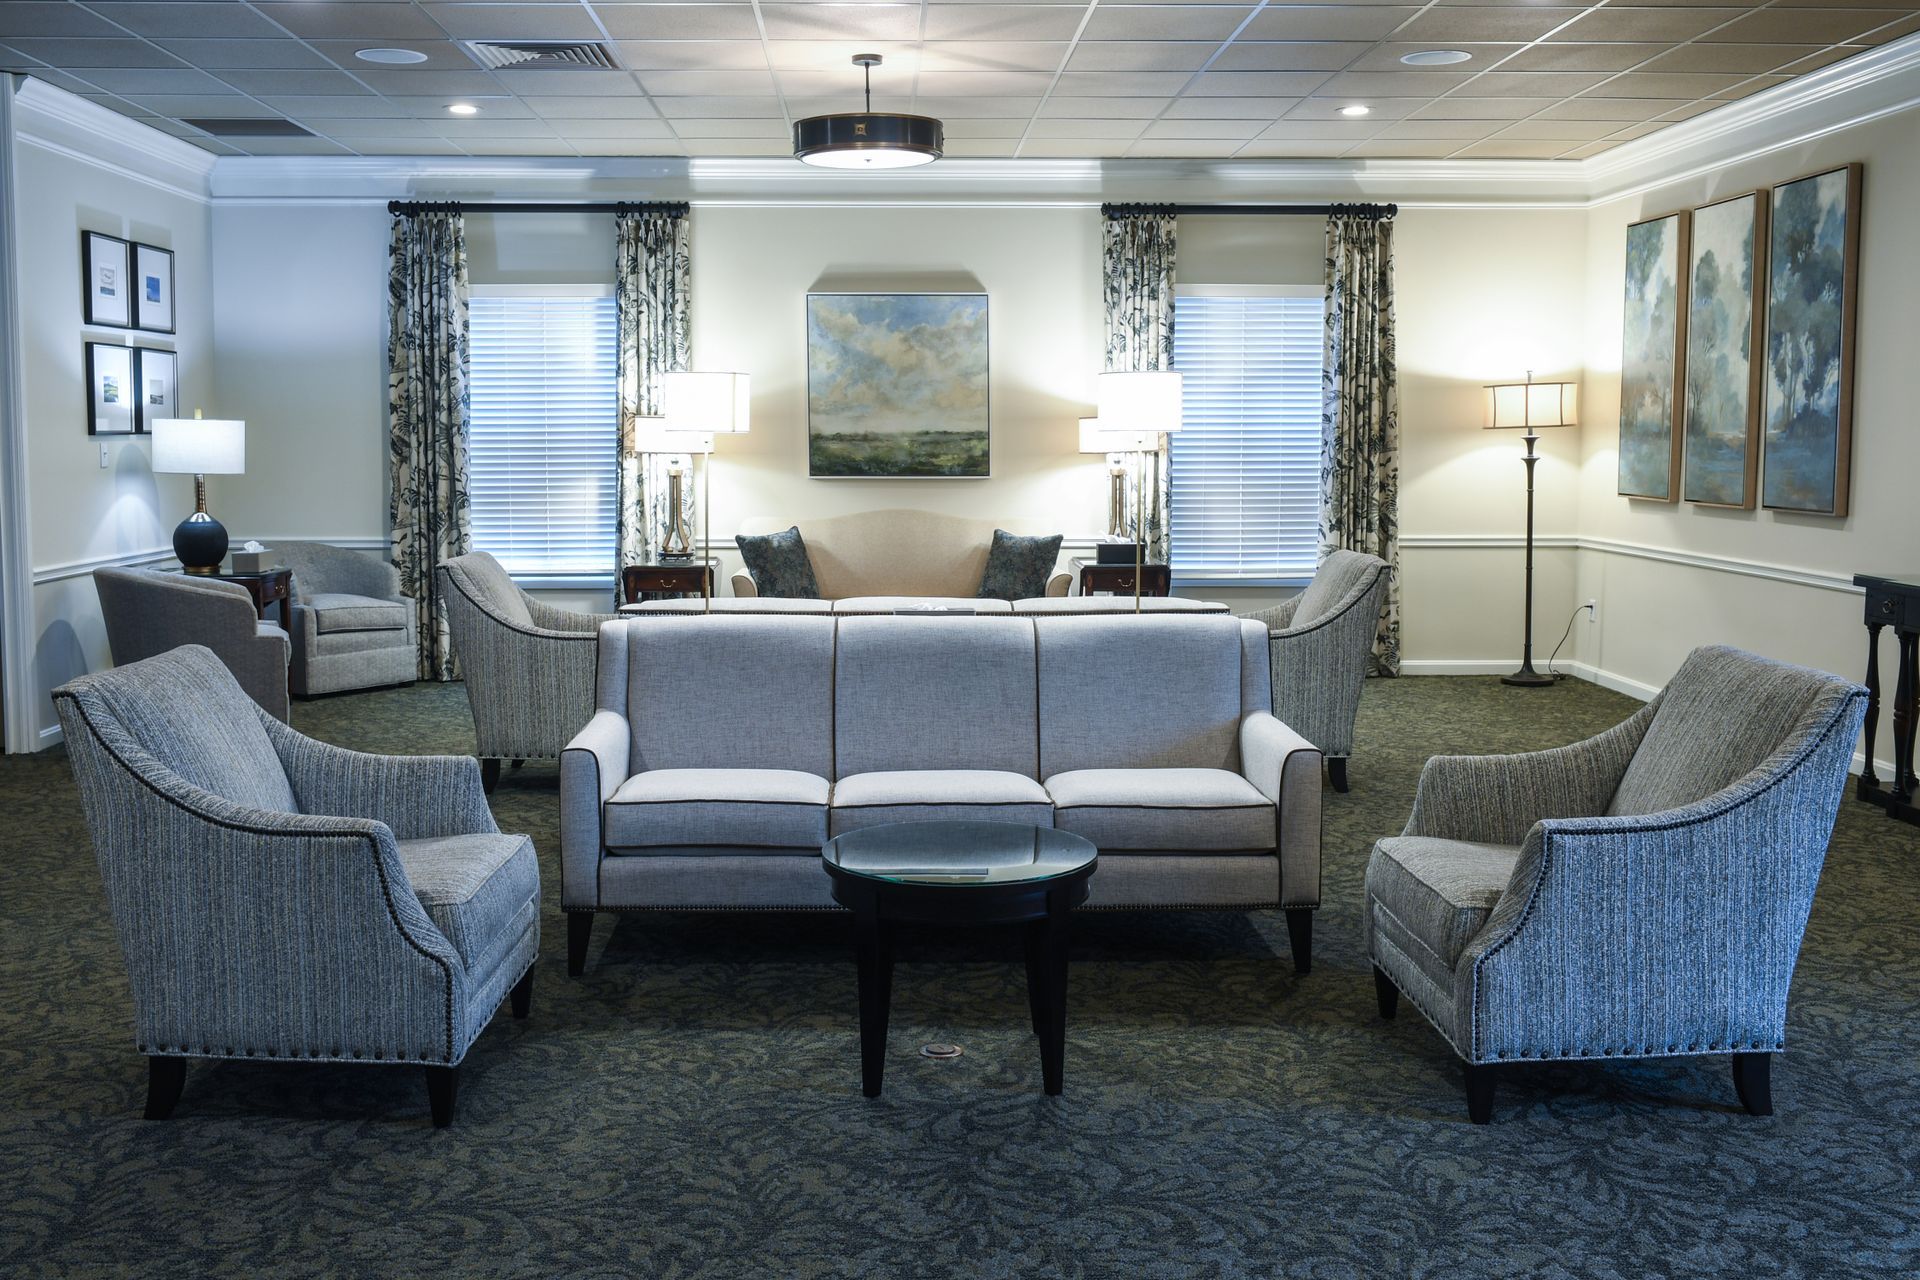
(1753, 1081)
(489, 774)
(579, 933)
(517, 763)
(166, 1077)
(522, 994)
(1479, 1093)
(1385, 994)
(1300, 936)
(443, 1085)
(1337, 773)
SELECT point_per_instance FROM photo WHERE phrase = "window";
(544, 404)
(1246, 460)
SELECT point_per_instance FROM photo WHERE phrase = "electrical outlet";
(1593, 611)
(105, 461)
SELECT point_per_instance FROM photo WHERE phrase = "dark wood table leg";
(1053, 971)
(1906, 690)
(1037, 974)
(874, 940)
(1869, 784)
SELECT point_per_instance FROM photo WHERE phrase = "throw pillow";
(1018, 568)
(779, 565)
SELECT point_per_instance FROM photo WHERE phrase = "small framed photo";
(106, 264)
(156, 378)
(152, 289)
(110, 391)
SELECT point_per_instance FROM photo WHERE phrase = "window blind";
(543, 401)
(1246, 460)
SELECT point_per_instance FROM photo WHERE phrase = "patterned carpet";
(691, 1108)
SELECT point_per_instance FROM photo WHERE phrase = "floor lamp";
(1531, 405)
(1138, 408)
(703, 405)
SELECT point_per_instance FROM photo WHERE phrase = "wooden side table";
(667, 581)
(269, 586)
(1155, 579)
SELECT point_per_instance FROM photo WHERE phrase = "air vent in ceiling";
(250, 127)
(533, 55)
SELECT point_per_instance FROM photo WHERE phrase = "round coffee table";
(961, 873)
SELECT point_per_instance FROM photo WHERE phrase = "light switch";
(103, 456)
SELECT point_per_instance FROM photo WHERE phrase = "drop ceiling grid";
(1103, 77)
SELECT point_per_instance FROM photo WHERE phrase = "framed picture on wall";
(156, 380)
(1653, 357)
(110, 392)
(1725, 333)
(153, 288)
(106, 280)
(1813, 269)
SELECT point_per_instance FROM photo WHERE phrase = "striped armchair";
(279, 898)
(1640, 894)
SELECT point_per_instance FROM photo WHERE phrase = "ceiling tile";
(718, 108)
(842, 88)
(994, 55)
(1683, 111)
(424, 82)
(737, 147)
(1652, 84)
(250, 54)
(1671, 24)
(964, 84)
(207, 106)
(1581, 57)
(1458, 130)
(706, 83)
(1326, 22)
(1530, 84)
(1114, 108)
(345, 21)
(1323, 130)
(986, 107)
(1230, 108)
(78, 55)
(633, 107)
(28, 18)
(1119, 84)
(1892, 31)
(442, 55)
(348, 126)
(1001, 22)
(1141, 55)
(1289, 55)
(571, 84)
(1625, 110)
(842, 22)
(1383, 109)
(1639, 130)
(1386, 56)
(693, 55)
(1239, 130)
(1588, 149)
(702, 127)
(1799, 26)
(1401, 149)
(1165, 22)
(299, 105)
(679, 21)
(900, 59)
(1060, 148)
(285, 81)
(124, 80)
(1123, 129)
(295, 147)
(436, 108)
(1394, 84)
(573, 130)
(1299, 149)
(998, 128)
(364, 146)
(1561, 130)
(1512, 149)
(618, 147)
(515, 21)
(185, 19)
(1727, 58)
(460, 128)
(1457, 108)
(1256, 84)
(1490, 23)
(1746, 87)
(1171, 148)
(515, 147)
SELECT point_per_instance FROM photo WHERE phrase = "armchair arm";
(1497, 799)
(1278, 618)
(1287, 768)
(259, 662)
(570, 622)
(530, 688)
(413, 796)
(744, 585)
(592, 768)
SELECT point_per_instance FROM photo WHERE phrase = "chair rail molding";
(1819, 579)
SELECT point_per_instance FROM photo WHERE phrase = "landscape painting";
(1723, 332)
(897, 385)
(1813, 262)
(1652, 357)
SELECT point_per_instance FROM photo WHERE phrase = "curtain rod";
(400, 207)
(1251, 210)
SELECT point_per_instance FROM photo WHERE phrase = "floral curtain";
(427, 417)
(653, 290)
(1138, 287)
(1360, 409)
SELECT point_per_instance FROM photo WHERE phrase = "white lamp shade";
(1532, 404)
(200, 446)
(1095, 438)
(652, 435)
(706, 402)
(1133, 403)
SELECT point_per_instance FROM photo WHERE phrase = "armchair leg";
(1337, 773)
(517, 763)
(579, 933)
(443, 1084)
(489, 774)
(1479, 1093)
(1385, 994)
(1753, 1081)
(166, 1077)
(522, 994)
(1300, 937)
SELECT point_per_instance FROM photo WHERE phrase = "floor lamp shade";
(200, 447)
(716, 402)
(1147, 401)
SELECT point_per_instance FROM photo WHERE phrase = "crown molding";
(69, 125)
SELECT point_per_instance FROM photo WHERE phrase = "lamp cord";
(1561, 675)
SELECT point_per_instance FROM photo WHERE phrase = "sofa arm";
(743, 586)
(1286, 769)
(1060, 584)
(416, 797)
(592, 768)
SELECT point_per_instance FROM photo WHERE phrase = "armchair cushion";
(779, 564)
(938, 795)
(1430, 897)
(339, 611)
(473, 887)
(774, 808)
(1018, 568)
(1163, 809)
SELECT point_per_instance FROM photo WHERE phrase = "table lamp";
(1095, 438)
(651, 436)
(1531, 405)
(1139, 407)
(705, 405)
(200, 447)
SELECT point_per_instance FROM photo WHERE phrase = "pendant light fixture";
(866, 140)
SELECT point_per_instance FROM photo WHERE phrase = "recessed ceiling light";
(463, 108)
(390, 57)
(1436, 57)
(1355, 110)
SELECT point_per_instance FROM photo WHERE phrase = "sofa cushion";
(1430, 897)
(337, 611)
(1163, 809)
(779, 565)
(730, 692)
(938, 795)
(1018, 568)
(776, 808)
(934, 693)
(472, 887)
(919, 604)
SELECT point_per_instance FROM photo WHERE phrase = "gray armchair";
(150, 611)
(352, 629)
(529, 667)
(279, 898)
(1640, 894)
(1321, 643)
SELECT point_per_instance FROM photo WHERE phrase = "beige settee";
(895, 552)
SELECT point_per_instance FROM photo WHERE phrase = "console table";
(661, 581)
(1893, 602)
(266, 586)
(1155, 579)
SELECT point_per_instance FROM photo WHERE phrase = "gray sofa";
(1640, 894)
(725, 750)
(151, 611)
(280, 899)
(352, 629)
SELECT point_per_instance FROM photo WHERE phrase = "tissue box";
(253, 561)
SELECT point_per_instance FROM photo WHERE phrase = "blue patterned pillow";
(779, 565)
(1018, 568)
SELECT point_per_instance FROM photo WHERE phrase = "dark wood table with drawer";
(665, 581)
(1893, 602)
(268, 586)
(1155, 579)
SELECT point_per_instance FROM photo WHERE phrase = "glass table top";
(959, 853)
